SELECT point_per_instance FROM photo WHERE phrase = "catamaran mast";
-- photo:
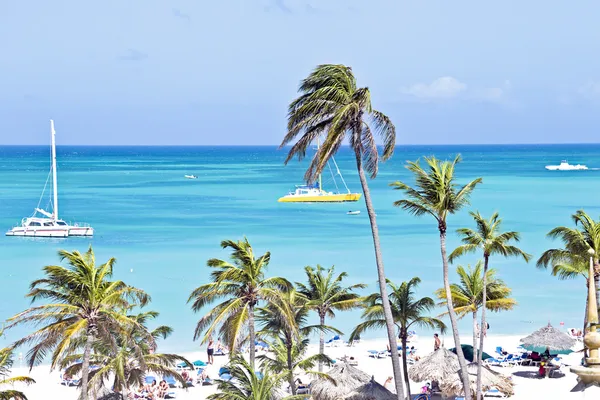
(320, 180)
(54, 181)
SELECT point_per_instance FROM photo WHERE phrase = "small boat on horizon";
(565, 166)
(49, 225)
(190, 177)
(353, 212)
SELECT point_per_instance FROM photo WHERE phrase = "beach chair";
(170, 381)
(149, 379)
(199, 364)
(494, 393)
(377, 353)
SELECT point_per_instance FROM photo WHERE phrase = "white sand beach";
(527, 383)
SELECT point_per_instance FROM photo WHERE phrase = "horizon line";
(275, 145)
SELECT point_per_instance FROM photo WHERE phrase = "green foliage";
(407, 310)
(326, 293)
(83, 305)
(572, 260)
(277, 359)
(436, 192)
(242, 285)
(331, 104)
(6, 363)
(247, 385)
(128, 356)
(467, 296)
(487, 237)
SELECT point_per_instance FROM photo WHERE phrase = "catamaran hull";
(81, 231)
(327, 198)
(38, 232)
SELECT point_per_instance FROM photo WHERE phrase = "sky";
(192, 72)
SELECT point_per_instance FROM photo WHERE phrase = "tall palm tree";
(437, 194)
(246, 384)
(128, 356)
(331, 104)
(467, 296)
(84, 304)
(581, 243)
(488, 238)
(567, 265)
(287, 363)
(6, 362)
(289, 334)
(326, 294)
(243, 285)
(407, 311)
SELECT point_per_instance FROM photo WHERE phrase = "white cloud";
(441, 88)
(448, 87)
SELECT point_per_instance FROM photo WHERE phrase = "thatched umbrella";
(551, 337)
(453, 386)
(371, 391)
(346, 378)
(436, 366)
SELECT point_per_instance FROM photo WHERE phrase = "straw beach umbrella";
(489, 380)
(345, 379)
(436, 366)
(371, 391)
(548, 336)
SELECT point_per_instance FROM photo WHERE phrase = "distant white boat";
(353, 212)
(565, 166)
(190, 177)
(49, 225)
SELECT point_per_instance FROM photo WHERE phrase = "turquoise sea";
(162, 228)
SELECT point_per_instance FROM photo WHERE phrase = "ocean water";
(162, 228)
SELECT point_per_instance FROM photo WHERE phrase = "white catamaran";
(49, 225)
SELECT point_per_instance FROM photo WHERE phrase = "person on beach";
(210, 351)
(436, 342)
(388, 383)
(163, 389)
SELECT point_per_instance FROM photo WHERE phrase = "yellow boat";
(315, 194)
(312, 194)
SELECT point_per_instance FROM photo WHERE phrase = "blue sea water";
(162, 228)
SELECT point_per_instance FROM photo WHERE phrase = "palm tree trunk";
(464, 376)
(404, 366)
(252, 335)
(486, 259)
(321, 338)
(290, 367)
(597, 282)
(475, 333)
(387, 310)
(85, 367)
(585, 321)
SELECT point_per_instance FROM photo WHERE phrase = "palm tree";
(6, 362)
(289, 333)
(84, 306)
(243, 284)
(128, 357)
(437, 194)
(247, 384)
(567, 265)
(488, 238)
(579, 244)
(326, 294)
(407, 311)
(467, 296)
(331, 104)
(288, 363)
